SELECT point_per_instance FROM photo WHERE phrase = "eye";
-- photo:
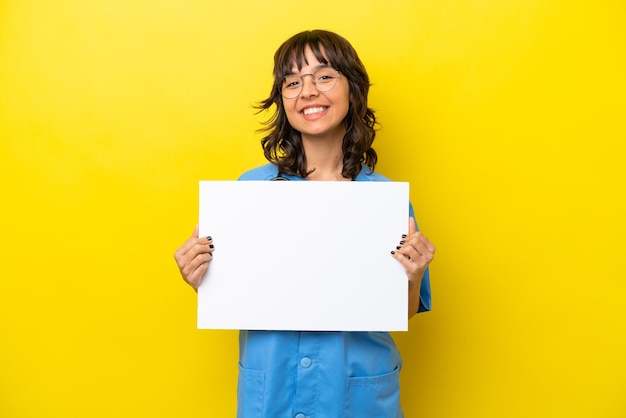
(291, 83)
(326, 76)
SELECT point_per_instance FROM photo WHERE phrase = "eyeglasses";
(324, 79)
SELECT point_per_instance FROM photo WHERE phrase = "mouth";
(313, 110)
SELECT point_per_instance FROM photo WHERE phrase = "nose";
(308, 86)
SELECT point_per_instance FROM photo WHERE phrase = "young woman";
(322, 129)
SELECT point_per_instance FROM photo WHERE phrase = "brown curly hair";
(283, 144)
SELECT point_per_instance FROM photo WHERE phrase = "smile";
(313, 110)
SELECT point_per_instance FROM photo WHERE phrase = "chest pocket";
(375, 396)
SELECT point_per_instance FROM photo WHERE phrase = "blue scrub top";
(294, 374)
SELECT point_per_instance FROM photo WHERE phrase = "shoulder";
(264, 172)
(366, 175)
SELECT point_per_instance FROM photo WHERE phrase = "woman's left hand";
(415, 252)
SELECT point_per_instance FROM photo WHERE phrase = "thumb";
(195, 232)
(412, 227)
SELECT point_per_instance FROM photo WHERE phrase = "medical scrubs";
(292, 374)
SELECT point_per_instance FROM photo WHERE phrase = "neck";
(325, 158)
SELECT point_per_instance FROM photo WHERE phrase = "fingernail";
(211, 246)
(403, 235)
(398, 247)
(209, 238)
(393, 252)
(401, 242)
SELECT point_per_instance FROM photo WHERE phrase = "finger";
(403, 259)
(429, 246)
(197, 250)
(190, 243)
(200, 240)
(195, 279)
(190, 250)
(410, 267)
(186, 247)
(195, 239)
(424, 249)
(409, 252)
(412, 227)
(200, 260)
(196, 233)
(424, 245)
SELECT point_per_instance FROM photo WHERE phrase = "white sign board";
(304, 255)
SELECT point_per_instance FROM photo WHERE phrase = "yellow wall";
(505, 116)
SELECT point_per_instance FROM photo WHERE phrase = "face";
(318, 114)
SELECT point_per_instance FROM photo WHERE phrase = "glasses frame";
(312, 80)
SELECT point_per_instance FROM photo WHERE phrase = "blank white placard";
(304, 255)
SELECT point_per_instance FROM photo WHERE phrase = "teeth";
(312, 110)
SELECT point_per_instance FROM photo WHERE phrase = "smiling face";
(318, 114)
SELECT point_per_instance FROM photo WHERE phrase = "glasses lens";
(292, 86)
(324, 80)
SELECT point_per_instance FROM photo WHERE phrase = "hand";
(415, 252)
(193, 258)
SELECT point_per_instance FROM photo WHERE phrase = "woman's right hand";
(193, 258)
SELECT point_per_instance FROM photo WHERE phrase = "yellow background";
(507, 117)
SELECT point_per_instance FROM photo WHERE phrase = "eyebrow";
(314, 69)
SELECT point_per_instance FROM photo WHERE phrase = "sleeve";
(425, 295)
(264, 172)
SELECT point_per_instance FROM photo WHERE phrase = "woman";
(322, 129)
